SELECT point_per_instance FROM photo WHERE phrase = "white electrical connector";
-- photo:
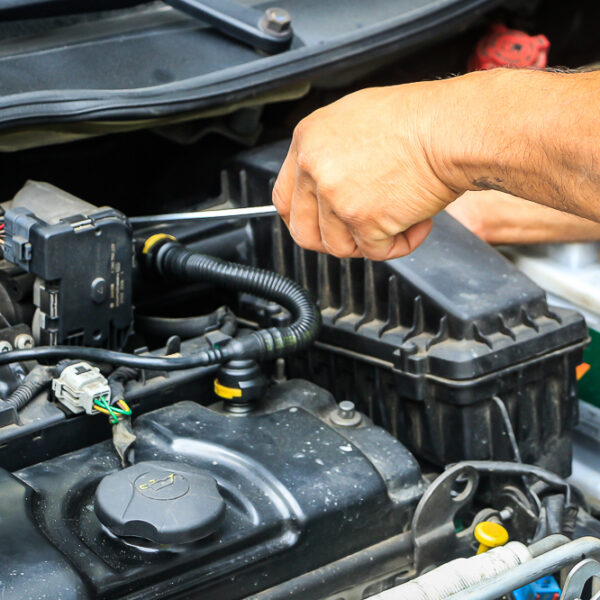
(79, 385)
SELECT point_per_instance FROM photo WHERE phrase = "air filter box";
(424, 343)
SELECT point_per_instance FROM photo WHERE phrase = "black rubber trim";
(238, 83)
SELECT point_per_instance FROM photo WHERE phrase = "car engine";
(195, 407)
(257, 457)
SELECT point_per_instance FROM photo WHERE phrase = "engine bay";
(199, 408)
(317, 425)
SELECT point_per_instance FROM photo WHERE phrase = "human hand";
(358, 179)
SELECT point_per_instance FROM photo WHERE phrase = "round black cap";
(159, 501)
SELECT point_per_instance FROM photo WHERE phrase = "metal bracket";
(579, 575)
(269, 30)
(433, 529)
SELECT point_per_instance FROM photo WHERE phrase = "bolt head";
(277, 20)
(5, 346)
(345, 415)
(346, 409)
(24, 341)
(99, 289)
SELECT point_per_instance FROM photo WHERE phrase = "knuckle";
(299, 236)
(277, 197)
(339, 250)
(353, 215)
(328, 186)
(300, 129)
(305, 161)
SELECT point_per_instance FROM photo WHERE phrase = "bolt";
(276, 20)
(506, 514)
(98, 290)
(5, 346)
(279, 370)
(346, 409)
(23, 341)
(345, 415)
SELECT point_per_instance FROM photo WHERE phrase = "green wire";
(104, 404)
(110, 408)
(113, 411)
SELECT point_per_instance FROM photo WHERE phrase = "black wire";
(498, 467)
(508, 428)
(265, 344)
(512, 438)
(35, 381)
(152, 363)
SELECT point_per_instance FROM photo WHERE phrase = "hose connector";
(171, 258)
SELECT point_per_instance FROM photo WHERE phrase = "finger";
(416, 235)
(284, 185)
(304, 214)
(377, 245)
(336, 238)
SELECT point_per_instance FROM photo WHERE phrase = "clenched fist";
(364, 175)
(357, 180)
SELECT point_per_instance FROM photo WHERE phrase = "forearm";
(499, 218)
(535, 135)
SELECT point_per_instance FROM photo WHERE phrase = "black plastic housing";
(423, 343)
(83, 259)
(300, 492)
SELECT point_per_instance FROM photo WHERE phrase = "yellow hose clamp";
(227, 393)
(154, 239)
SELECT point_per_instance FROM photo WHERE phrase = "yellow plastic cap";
(490, 535)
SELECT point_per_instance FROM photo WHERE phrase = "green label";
(589, 384)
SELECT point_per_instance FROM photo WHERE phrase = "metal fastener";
(98, 290)
(276, 20)
(5, 346)
(346, 415)
(506, 514)
(23, 341)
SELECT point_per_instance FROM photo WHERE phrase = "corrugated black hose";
(174, 259)
(171, 258)
(35, 381)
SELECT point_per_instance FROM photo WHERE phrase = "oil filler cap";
(162, 502)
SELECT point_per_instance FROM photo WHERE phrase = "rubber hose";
(174, 259)
(35, 381)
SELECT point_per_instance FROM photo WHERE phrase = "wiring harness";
(164, 254)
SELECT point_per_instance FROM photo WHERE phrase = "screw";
(5, 346)
(276, 20)
(23, 341)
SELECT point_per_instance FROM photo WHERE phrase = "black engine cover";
(300, 492)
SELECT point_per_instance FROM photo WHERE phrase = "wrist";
(460, 139)
(532, 134)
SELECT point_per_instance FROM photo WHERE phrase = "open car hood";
(152, 61)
